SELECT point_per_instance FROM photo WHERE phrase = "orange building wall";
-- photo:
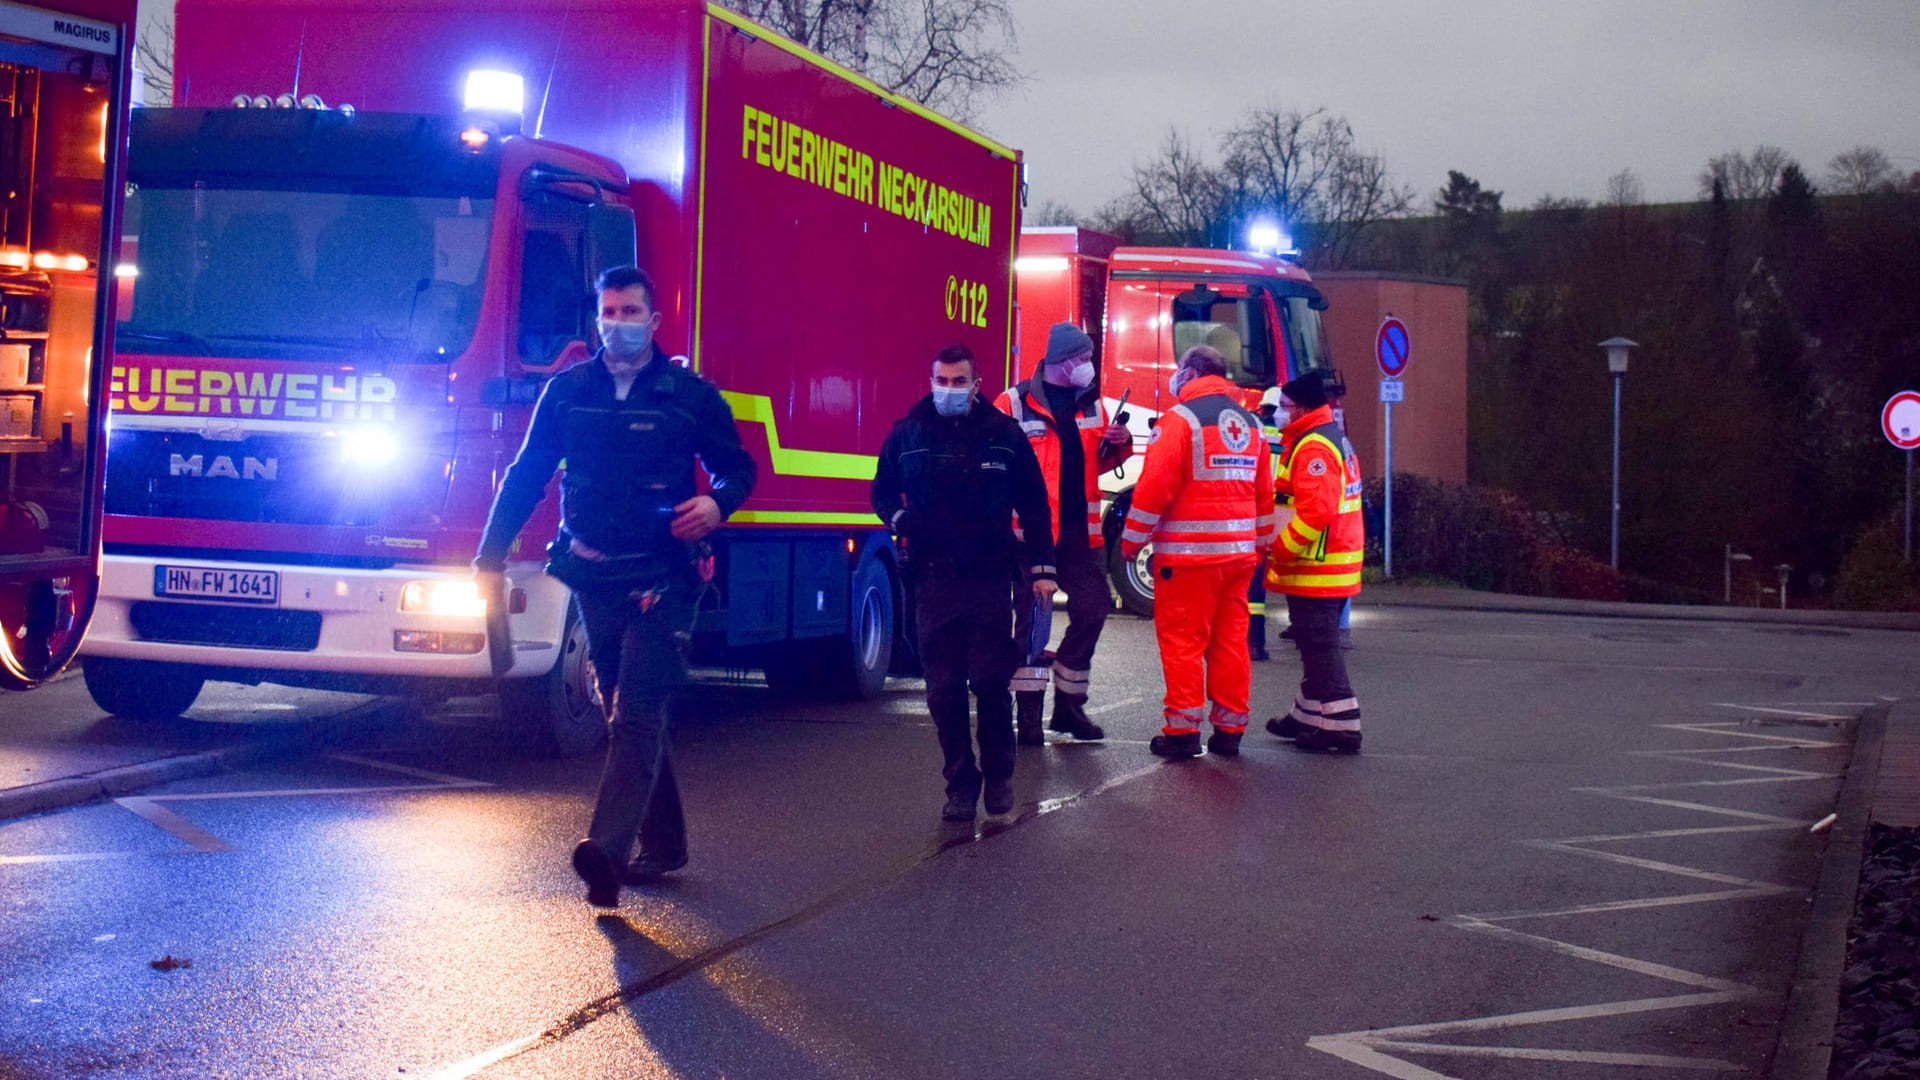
(1430, 426)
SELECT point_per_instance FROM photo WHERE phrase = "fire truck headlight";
(450, 597)
(369, 446)
(496, 92)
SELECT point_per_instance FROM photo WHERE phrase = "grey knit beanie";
(1066, 341)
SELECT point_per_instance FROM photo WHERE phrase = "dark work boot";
(1027, 707)
(999, 796)
(959, 808)
(596, 868)
(1287, 727)
(1257, 651)
(1224, 743)
(1322, 741)
(1070, 716)
(651, 866)
(1176, 746)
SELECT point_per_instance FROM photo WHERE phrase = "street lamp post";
(1732, 557)
(1783, 570)
(1616, 364)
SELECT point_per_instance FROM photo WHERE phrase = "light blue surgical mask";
(1180, 379)
(627, 340)
(952, 400)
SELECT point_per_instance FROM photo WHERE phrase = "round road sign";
(1900, 420)
(1392, 347)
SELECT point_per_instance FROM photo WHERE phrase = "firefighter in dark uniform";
(950, 478)
(629, 425)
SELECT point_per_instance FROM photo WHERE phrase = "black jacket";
(629, 463)
(950, 487)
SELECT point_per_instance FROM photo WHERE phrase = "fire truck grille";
(285, 479)
(233, 627)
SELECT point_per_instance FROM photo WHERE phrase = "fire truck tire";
(1132, 580)
(140, 689)
(560, 711)
(864, 657)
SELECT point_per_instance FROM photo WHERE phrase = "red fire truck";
(365, 241)
(1147, 306)
(65, 82)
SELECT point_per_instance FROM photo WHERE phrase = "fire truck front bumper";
(422, 621)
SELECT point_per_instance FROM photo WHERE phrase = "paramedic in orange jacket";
(1316, 564)
(1066, 422)
(1205, 500)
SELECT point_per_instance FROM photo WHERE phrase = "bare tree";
(1745, 177)
(1862, 170)
(153, 51)
(1178, 195)
(1301, 170)
(1624, 189)
(945, 54)
(1050, 213)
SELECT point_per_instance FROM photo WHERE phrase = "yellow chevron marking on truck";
(758, 409)
(801, 517)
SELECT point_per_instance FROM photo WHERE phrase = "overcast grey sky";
(1529, 98)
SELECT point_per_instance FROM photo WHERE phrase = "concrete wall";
(1430, 427)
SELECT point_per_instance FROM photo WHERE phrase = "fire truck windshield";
(1306, 339)
(301, 274)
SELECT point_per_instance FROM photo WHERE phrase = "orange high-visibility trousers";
(1200, 619)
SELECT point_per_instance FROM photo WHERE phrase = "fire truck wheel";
(1132, 580)
(559, 711)
(867, 652)
(140, 689)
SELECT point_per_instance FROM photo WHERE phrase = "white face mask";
(952, 400)
(1081, 375)
(627, 341)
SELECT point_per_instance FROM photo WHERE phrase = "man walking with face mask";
(1061, 413)
(629, 424)
(950, 478)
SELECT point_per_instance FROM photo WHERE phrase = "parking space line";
(169, 822)
(1379, 1049)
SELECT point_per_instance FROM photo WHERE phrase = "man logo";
(222, 467)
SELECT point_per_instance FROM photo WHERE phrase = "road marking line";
(80, 856)
(1780, 712)
(1112, 706)
(408, 770)
(1523, 1053)
(192, 835)
(1368, 1048)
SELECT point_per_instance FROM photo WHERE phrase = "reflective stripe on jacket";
(1026, 402)
(1206, 489)
(1318, 552)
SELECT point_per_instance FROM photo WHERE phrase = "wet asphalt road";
(1572, 844)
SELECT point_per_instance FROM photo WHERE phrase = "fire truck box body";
(342, 319)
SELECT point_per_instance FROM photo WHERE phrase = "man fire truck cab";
(1144, 307)
(343, 318)
(65, 83)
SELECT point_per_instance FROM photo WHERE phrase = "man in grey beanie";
(1064, 418)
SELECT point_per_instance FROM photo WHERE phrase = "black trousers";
(965, 625)
(1082, 574)
(1257, 615)
(1316, 633)
(638, 661)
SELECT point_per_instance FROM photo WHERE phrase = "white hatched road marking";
(148, 808)
(1377, 1049)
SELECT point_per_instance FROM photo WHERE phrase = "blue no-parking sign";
(1392, 347)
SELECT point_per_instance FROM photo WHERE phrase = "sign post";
(1392, 347)
(1900, 423)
